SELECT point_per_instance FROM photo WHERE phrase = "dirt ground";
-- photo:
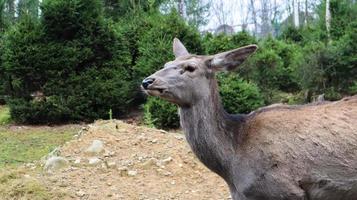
(138, 163)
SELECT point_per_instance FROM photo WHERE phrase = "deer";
(282, 152)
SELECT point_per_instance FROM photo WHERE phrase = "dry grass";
(20, 184)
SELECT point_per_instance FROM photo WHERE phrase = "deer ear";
(230, 60)
(179, 49)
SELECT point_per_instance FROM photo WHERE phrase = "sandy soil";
(138, 163)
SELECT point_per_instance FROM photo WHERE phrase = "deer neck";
(210, 131)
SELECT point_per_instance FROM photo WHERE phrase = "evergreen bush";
(161, 114)
(238, 95)
(77, 59)
(155, 45)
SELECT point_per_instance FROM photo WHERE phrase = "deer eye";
(190, 68)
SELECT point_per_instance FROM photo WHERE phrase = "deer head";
(186, 79)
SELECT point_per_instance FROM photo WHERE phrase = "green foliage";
(216, 44)
(155, 45)
(293, 34)
(118, 8)
(161, 114)
(28, 7)
(238, 95)
(2, 74)
(330, 68)
(274, 67)
(66, 20)
(77, 59)
(2, 15)
(310, 72)
(343, 13)
(5, 117)
(353, 88)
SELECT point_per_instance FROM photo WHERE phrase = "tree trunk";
(254, 13)
(328, 20)
(11, 7)
(265, 17)
(306, 12)
(181, 8)
(296, 14)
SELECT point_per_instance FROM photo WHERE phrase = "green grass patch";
(20, 144)
(5, 117)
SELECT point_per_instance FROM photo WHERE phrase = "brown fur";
(314, 146)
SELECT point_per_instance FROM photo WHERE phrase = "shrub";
(77, 59)
(238, 95)
(161, 114)
(274, 67)
(293, 34)
(330, 68)
(216, 44)
(353, 88)
(2, 74)
(155, 46)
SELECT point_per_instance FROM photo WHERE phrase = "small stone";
(80, 193)
(94, 161)
(149, 163)
(63, 184)
(77, 161)
(109, 154)
(162, 131)
(55, 163)
(111, 164)
(179, 137)
(132, 173)
(164, 172)
(96, 147)
(180, 165)
(173, 182)
(154, 141)
(142, 138)
(123, 171)
(167, 160)
(29, 164)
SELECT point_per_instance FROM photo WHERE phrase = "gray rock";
(55, 163)
(96, 147)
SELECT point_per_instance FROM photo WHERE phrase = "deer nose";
(146, 82)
